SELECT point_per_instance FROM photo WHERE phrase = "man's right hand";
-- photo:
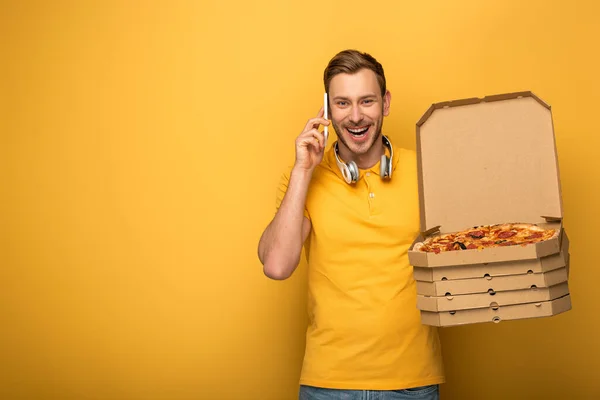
(310, 144)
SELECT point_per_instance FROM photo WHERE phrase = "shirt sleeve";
(282, 189)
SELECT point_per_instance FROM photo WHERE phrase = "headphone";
(350, 170)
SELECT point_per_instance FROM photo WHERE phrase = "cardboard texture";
(492, 284)
(482, 161)
(507, 313)
(492, 299)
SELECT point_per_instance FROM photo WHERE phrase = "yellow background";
(141, 144)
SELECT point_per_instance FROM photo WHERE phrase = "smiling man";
(355, 210)
(358, 109)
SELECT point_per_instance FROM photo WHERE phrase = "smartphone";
(326, 130)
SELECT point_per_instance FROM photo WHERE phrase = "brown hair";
(351, 61)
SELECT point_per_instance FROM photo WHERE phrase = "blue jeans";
(430, 392)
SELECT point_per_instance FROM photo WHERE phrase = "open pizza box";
(490, 270)
(484, 161)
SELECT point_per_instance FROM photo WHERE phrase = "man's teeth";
(358, 131)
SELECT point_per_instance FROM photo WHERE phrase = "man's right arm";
(280, 245)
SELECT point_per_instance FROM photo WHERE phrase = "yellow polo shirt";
(364, 327)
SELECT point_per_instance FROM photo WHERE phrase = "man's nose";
(356, 115)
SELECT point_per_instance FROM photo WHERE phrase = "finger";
(316, 145)
(313, 133)
(315, 138)
(310, 143)
(315, 122)
(319, 136)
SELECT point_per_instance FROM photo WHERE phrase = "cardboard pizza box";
(491, 299)
(498, 314)
(491, 284)
(485, 161)
(464, 303)
(537, 265)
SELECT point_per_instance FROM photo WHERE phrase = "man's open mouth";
(358, 132)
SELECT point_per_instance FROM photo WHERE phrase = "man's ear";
(387, 99)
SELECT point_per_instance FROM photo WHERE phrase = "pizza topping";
(477, 234)
(535, 235)
(485, 236)
(504, 243)
(506, 234)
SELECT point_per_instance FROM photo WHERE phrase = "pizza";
(485, 236)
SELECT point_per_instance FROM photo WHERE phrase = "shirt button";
(368, 174)
(371, 195)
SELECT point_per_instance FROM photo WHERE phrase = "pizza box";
(491, 299)
(484, 161)
(537, 265)
(497, 314)
(491, 284)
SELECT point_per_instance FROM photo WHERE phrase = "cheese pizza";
(485, 236)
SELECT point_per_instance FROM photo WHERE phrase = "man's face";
(357, 109)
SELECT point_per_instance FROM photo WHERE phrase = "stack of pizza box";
(485, 161)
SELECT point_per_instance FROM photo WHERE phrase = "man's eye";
(341, 103)
(368, 101)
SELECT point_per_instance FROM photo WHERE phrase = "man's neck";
(367, 160)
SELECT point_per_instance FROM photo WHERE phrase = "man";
(365, 339)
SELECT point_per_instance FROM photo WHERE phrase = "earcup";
(345, 173)
(384, 167)
(349, 171)
(352, 171)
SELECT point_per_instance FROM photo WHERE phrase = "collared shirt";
(364, 327)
